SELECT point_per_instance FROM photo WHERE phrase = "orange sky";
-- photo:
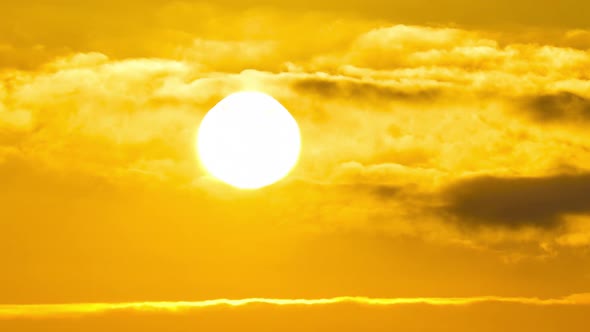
(445, 154)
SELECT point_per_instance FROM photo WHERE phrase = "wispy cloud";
(76, 309)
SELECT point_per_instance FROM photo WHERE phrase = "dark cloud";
(518, 202)
(562, 106)
(307, 188)
(385, 191)
(347, 89)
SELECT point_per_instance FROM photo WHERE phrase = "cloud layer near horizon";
(81, 309)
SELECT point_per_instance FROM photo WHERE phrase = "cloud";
(388, 112)
(577, 231)
(362, 91)
(77, 309)
(558, 107)
(518, 202)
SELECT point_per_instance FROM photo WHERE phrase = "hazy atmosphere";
(443, 181)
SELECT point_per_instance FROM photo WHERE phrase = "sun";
(248, 140)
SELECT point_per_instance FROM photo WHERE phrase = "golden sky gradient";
(444, 170)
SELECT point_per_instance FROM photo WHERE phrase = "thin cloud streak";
(80, 309)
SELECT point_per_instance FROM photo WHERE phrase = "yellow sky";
(445, 154)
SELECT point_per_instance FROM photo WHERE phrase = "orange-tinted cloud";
(40, 310)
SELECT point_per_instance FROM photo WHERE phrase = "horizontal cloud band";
(49, 310)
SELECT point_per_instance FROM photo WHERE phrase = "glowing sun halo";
(248, 140)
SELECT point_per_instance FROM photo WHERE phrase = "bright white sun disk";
(248, 140)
